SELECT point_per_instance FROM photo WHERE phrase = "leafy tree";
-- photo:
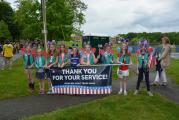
(4, 31)
(7, 15)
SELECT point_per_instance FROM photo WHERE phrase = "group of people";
(60, 56)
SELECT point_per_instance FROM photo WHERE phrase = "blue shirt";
(75, 60)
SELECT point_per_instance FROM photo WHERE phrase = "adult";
(165, 61)
(8, 54)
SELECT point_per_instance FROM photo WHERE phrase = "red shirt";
(123, 67)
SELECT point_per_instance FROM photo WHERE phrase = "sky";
(111, 17)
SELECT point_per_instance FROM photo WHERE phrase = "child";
(52, 60)
(63, 56)
(88, 58)
(75, 56)
(123, 70)
(28, 64)
(142, 66)
(107, 57)
(40, 73)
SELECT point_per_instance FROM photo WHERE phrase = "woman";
(164, 60)
(88, 58)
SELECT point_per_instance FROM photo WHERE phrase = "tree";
(4, 31)
(64, 17)
(7, 15)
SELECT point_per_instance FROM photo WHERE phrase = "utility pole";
(44, 31)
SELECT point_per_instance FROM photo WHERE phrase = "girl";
(40, 73)
(142, 66)
(107, 57)
(52, 60)
(75, 56)
(88, 58)
(123, 70)
(28, 64)
(63, 56)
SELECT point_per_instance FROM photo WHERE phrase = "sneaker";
(49, 92)
(155, 84)
(41, 92)
(164, 84)
(125, 93)
(150, 94)
(120, 92)
(136, 92)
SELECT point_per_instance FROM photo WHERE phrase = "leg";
(157, 78)
(164, 76)
(125, 85)
(148, 83)
(140, 78)
(120, 82)
(147, 80)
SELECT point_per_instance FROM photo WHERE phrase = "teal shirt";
(91, 58)
(66, 57)
(143, 61)
(40, 62)
(124, 58)
(25, 58)
(107, 58)
(51, 59)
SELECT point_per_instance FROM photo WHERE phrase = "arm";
(165, 53)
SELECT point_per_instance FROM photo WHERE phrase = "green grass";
(13, 83)
(116, 107)
(172, 71)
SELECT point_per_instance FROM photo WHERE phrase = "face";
(62, 48)
(108, 49)
(88, 48)
(143, 50)
(163, 41)
(28, 49)
(75, 50)
(124, 48)
(52, 47)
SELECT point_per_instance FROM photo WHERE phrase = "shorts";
(122, 73)
(40, 75)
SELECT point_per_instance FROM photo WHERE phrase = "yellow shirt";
(8, 50)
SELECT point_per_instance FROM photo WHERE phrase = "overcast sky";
(110, 17)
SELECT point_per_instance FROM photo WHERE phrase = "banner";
(82, 80)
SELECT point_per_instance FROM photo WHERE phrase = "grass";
(172, 71)
(13, 83)
(116, 107)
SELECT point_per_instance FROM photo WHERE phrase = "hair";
(54, 51)
(59, 52)
(167, 40)
(126, 52)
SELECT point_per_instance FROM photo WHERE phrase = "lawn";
(13, 83)
(117, 107)
(172, 71)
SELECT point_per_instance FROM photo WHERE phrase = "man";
(8, 54)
